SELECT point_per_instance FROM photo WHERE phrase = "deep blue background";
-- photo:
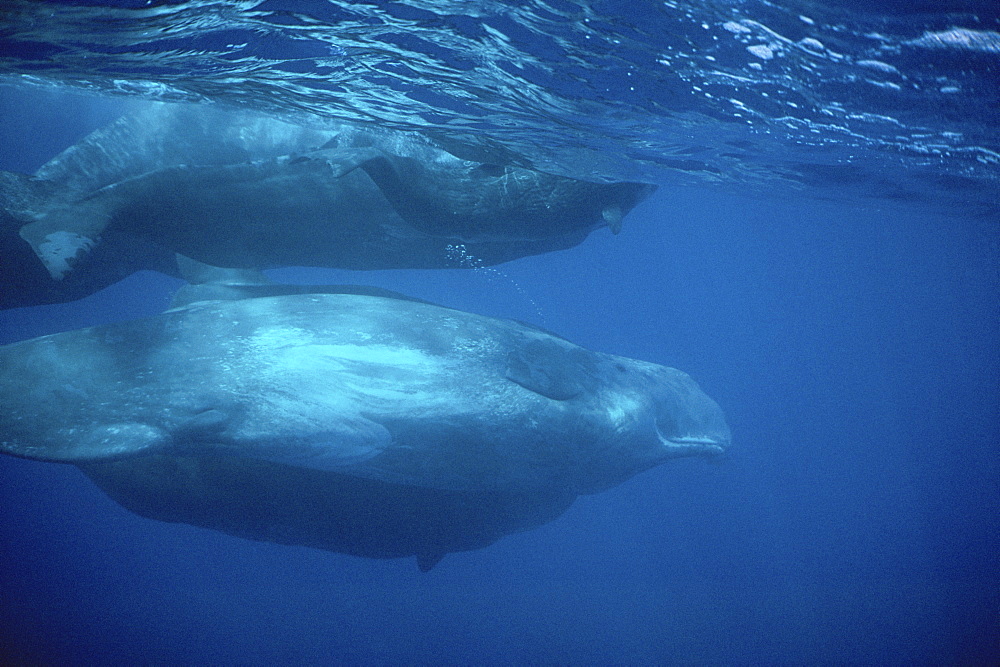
(853, 346)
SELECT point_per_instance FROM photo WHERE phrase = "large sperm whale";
(360, 422)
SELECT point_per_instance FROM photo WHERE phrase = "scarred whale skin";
(431, 412)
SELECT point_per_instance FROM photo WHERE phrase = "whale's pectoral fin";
(102, 442)
(546, 368)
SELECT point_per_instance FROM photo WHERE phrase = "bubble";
(460, 256)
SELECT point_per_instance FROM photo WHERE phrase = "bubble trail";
(461, 256)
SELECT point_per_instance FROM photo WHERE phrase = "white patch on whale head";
(58, 248)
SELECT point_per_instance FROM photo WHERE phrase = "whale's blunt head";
(684, 421)
(654, 414)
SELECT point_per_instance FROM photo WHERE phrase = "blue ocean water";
(834, 286)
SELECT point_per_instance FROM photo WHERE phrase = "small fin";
(612, 216)
(198, 273)
(427, 561)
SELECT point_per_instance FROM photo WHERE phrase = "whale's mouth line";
(706, 445)
(697, 442)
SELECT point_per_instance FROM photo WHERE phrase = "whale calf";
(239, 189)
(370, 425)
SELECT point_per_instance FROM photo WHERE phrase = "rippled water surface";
(827, 99)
